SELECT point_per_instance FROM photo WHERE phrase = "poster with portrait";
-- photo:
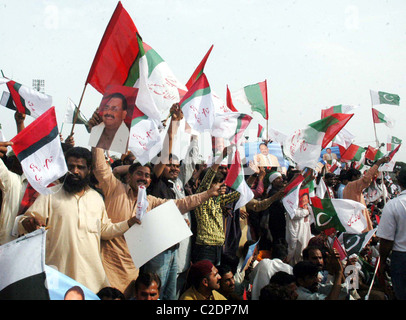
(329, 159)
(115, 110)
(266, 155)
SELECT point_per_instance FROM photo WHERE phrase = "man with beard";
(111, 133)
(77, 221)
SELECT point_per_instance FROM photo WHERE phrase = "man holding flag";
(355, 187)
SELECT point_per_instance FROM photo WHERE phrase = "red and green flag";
(353, 153)
(199, 70)
(124, 59)
(255, 96)
(197, 105)
(339, 214)
(305, 145)
(261, 131)
(235, 180)
(373, 154)
(336, 109)
(392, 143)
(230, 126)
(24, 99)
(117, 52)
(379, 117)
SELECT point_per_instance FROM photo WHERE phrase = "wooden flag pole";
(77, 113)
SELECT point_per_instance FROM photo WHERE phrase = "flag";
(7, 101)
(341, 214)
(70, 114)
(304, 146)
(276, 135)
(145, 140)
(393, 152)
(380, 97)
(379, 117)
(39, 150)
(199, 70)
(373, 154)
(26, 100)
(337, 245)
(117, 52)
(22, 265)
(291, 199)
(255, 96)
(343, 140)
(336, 109)
(353, 153)
(261, 131)
(159, 87)
(123, 59)
(229, 101)
(197, 105)
(235, 180)
(392, 143)
(354, 243)
(230, 126)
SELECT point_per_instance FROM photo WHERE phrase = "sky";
(314, 54)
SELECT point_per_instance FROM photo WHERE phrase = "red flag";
(293, 183)
(333, 129)
(117, 52)
(230, 104)
(393, 152)
(199, 70)
(337, 245)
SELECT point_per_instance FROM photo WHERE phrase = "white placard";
(161, 228)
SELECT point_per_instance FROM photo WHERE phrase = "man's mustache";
(142, 181)
(109, 116)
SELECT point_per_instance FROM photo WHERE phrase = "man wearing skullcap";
(204, 281)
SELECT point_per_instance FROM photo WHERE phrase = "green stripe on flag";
(196, 94)
(138, 119)
(134, 72)
(325, 215)
(255, 98)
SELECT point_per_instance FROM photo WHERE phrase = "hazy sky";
(313, 54)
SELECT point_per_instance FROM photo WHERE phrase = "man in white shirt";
(12, 185)
(77, 221)
(266, 268)
(392, 234)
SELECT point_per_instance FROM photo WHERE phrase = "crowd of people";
(257, 252)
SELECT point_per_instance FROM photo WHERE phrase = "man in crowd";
(77, 221)
(204, 282)
(357, 183)
(392, 234)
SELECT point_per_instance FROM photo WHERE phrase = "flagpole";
(373, 279)
(77, 113)
(372, 105)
